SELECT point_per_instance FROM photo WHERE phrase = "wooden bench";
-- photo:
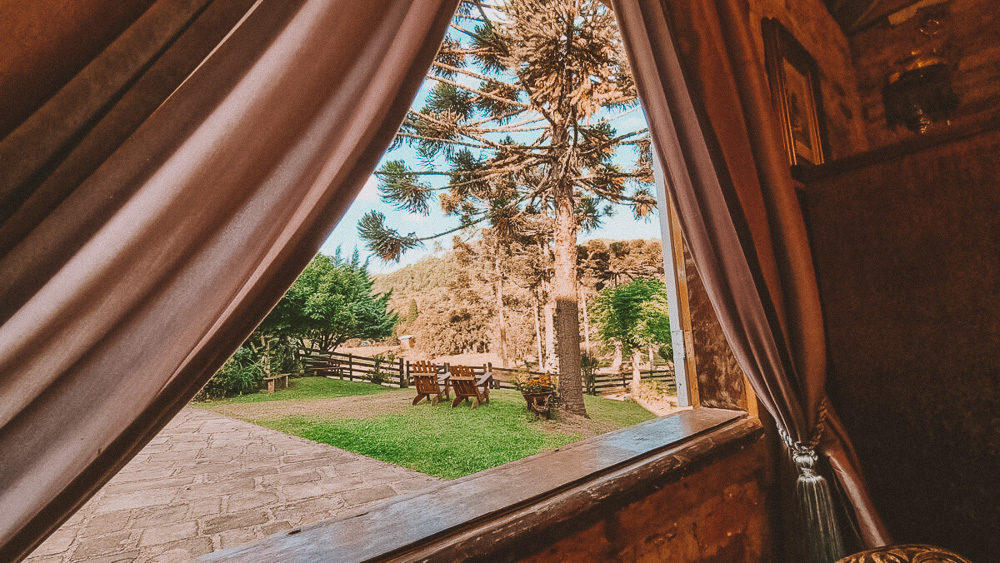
(270, 381)
(466, 385)
(429, 382)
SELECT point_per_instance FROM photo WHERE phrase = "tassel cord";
(822, 539)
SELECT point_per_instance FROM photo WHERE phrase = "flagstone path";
(209, 482)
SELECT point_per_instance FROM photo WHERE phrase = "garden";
(380, 422)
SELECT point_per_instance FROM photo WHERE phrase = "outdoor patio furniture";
(467, 386)
(429, 382)
(270, 381)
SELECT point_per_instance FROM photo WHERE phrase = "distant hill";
(451, 308)
(428, 273)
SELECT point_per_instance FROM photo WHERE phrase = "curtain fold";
(129, 276)
(703, 91)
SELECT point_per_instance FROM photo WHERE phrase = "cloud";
(370, 190)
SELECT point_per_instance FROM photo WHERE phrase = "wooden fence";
(396, 373)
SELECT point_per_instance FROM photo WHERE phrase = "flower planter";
(538, 403)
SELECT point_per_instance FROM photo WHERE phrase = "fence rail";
(396, 373)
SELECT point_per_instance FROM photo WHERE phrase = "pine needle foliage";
(523, 123)
(519, 104)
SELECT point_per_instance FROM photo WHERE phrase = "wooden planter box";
(538, 402)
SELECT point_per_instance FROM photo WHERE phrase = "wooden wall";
(907, 249)
(718, 514)
(969, 38)
(721, 383)
(817, 31)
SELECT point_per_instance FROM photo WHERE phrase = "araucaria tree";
(522, 122)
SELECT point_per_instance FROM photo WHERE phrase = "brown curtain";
(150, 216)
(704, 93)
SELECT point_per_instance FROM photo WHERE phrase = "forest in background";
(452, 304)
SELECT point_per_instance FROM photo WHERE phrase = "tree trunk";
(266, 356)
(501, 318)
(538, 333)
(616, 361)
(586, 322)
(550, 338)
(636, 366)
(564, 293)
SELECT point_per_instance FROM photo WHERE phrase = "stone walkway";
(209, 482)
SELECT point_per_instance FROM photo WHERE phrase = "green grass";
(306, 388)
(435, 440)
(620, 413)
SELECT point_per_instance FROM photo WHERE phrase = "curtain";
(704, 93)
(160, 203)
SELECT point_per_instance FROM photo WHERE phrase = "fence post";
(350, 368)
(403, 383)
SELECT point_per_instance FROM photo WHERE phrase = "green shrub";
(667, 353)
(242, 374)
(378, 374)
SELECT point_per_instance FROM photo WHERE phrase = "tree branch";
(478, 92)
(433, 140)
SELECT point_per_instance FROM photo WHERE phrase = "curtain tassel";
(823, 542)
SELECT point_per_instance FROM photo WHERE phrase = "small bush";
(378, 374)
(280, 353)
(242, 374)
(667, 353)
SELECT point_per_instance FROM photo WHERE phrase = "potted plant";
(537, 391)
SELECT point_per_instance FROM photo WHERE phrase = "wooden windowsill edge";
(525, 502)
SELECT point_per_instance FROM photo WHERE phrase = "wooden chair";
(429, 382)
(466, 386)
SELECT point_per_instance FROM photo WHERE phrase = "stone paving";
(209, 482)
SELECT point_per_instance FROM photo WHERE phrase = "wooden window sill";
(521, 504)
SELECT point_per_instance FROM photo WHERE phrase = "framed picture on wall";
(795, 92)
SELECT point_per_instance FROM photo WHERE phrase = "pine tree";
(523, 113)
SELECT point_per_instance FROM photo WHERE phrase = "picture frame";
(793, 76)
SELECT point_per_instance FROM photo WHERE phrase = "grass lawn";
(306, 388)
(436, 440)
